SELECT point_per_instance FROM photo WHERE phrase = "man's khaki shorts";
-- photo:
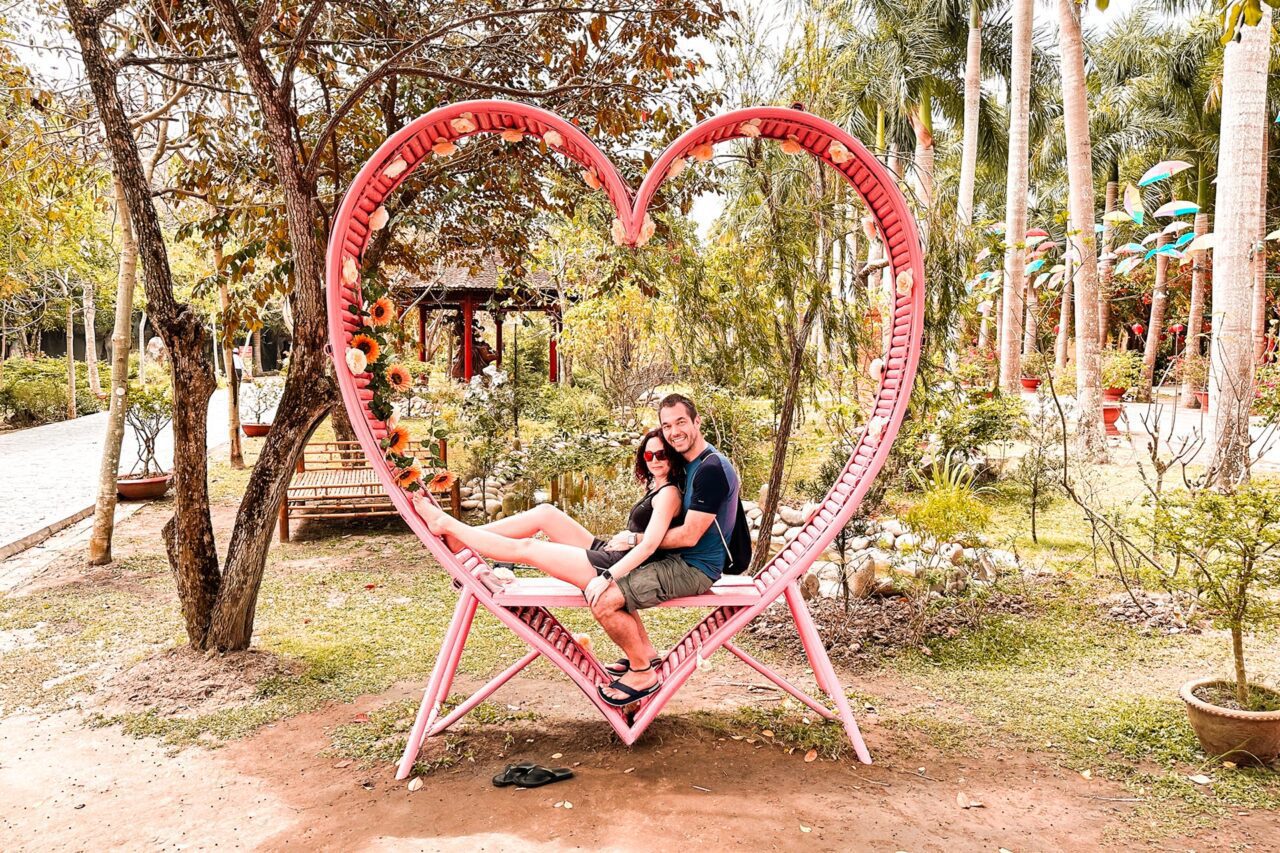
(662, 580)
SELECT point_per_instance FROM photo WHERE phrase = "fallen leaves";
(415, 784)
(563, 804)
(1200, 779)
(1087, 774)
(810, 756)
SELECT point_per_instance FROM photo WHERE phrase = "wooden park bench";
(333, 480)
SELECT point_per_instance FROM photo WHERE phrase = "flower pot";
(143, 488)
(255, 430)
(1202, 397)
(1030, 383)
(1113, 395)
(1246, 737)
(1110, 414)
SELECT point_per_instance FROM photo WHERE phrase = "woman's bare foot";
(437, 520)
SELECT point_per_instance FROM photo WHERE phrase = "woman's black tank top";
(642, 512)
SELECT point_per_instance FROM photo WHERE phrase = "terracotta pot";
(1113, 395)
(1030, 383)
(255, 430)
(143, 488)
(1202, 397)
(1110, 414)
(1246, 737)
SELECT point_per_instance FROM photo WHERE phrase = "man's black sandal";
(537, 776)
(622, 666)
(631, 694)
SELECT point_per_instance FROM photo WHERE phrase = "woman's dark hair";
(674, 459)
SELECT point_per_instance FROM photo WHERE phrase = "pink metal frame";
(530, 619)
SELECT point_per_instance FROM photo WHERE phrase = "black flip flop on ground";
(537, 776)
(511, 773)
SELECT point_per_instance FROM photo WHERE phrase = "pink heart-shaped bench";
(396, 158)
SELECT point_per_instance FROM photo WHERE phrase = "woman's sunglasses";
(655, 455)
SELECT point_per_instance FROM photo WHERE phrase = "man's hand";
(595, 589)
(621, 542)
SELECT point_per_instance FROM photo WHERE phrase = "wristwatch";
(634, 539)
(607, 575)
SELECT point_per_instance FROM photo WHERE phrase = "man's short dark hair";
(679, 400)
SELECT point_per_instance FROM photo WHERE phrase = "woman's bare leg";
(544, 518)
(565, 562)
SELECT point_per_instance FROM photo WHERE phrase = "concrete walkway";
(49, 474)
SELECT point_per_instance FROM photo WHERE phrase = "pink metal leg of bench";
(780, 681)
(455, 639)
(823, 672)
(483, 693)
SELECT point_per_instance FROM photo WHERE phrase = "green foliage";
(1121, 368)
(1267, 391)
(573, 409)
(950, 503)
(34, 391)
(832, 466)
(487, 421)
(732, 422)
(977, 422)
(1037, 364)
(1194, 369)
(260, 397)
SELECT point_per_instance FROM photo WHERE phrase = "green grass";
(788, 725)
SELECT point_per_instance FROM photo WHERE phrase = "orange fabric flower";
(406, 477)
(397, 440)
(442, 482)
(368, 346)
(381, 312)
(398, 378)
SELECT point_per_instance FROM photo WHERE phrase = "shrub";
(1121, 368)
(1194, 369)
(735, 427)
(1036, 364)
(1267, 392)
(34, 391)
(575, 410)
(980, 421)
(150, 410)
(950, 503)
(261, 397)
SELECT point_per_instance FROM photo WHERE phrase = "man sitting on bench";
(695, 552)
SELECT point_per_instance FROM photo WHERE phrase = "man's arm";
(688, 534)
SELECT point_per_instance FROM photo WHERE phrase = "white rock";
(826, 571)
(472, 504)
(885, 540)
(493, 507)
(955, 554)
(779, 528)
(881, 561)
(809, 510)
(790, 515)
(540, 496)
(791, 534)
(749, 506)
(907, 542)
(777, 542)
(892, 525)
(755, 513)
(858, 543)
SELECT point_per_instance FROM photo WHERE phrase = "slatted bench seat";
(729, 591)
(333, 480)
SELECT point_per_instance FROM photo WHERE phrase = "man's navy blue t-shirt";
(711, 485)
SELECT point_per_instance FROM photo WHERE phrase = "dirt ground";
(66, 785)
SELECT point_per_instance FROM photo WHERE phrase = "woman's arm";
(666, 504)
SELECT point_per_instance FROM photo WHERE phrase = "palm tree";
(972, 98)
(1075, 113)
(1016, 186)
(1239, 219)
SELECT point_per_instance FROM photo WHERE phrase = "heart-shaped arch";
(434, 134)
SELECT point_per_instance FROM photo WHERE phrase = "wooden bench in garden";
(333, 480)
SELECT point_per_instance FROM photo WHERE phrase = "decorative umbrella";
(1117, 217)
(1037, 232)
(1177, 207)
(982, 256)
(1150, 237)
(1126, 265)
(1163, 250)
(1036, 239)
(1175, 227)
(1163, 169)
(1273, 235)
(1133, 203)
(1183, 240)
(1129, 249)
(1034, 266)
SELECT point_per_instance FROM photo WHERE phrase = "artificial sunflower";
(442, 482)
(368, 346)
(397, 440)
(381, 312)
(406, 477)
(398, 378)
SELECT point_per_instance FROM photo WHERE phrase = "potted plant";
(260, 398)
(149, 411)
(1034, 368)
(1230, 542)
(1193, 369)
(1121, 369)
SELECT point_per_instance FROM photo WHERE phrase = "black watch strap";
(607, 574)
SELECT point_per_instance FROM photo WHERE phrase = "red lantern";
(1138, 329)
(1178, 328)
(1057, 329)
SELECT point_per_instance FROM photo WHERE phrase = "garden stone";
(791, 533)
(777, 542)
(893, 526)
(859, 543)
(955, 554)
(540, 496)
(809, 510)
(492, 506)
(881, 561)
(750, 506)
(790, 515)
(826, 571)
(907, 542)
(885, 540)
(471, 504)
(779, 528)
(764, 495)
(1004, 561)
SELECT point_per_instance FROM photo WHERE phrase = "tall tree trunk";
(105, 508)
(972, 101)
(1106, 264)
(1199, 271)
(1015, 229)
(1064, 319)
(89, 308)
(228, 344)
(1238, 217)
(71, 352)
(1090, 440)
(188, 535)
(1031, 323)
(1258, 321)
(922, 124)
(1155, 324)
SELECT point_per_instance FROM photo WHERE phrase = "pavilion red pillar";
(497, 321)
(422, 333)
(468, 344)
